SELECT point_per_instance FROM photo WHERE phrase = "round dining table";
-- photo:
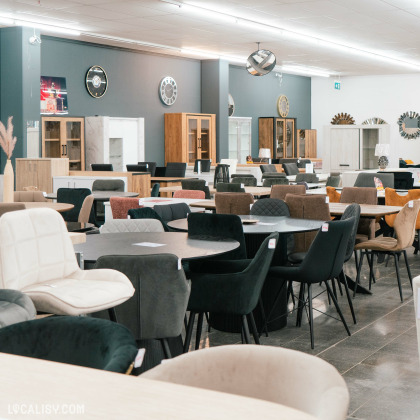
(101, 195)
(60, 207)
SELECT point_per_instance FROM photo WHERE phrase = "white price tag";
(410, 203)
(272, 244)
(207, 183)
(325, 227)
(138, 361)
(140, 201)
(327, 199)
(309, 168)
(242, 186)
(179, 264)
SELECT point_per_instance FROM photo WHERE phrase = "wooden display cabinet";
(278, 135)
(306, 144)
(64, 137)
(189, 137)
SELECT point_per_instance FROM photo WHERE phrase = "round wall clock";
(168, 90)
(96, 81)
(283, 106)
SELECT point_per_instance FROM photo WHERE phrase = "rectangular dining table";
(255, 191)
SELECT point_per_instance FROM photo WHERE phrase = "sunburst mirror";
(409, 125)
(342, 119)
(374, 120)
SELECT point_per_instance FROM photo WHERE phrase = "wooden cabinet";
(240, 138)
(64, 137)
(278, 135)
(189, 137)
(306, 144)
(40, 172)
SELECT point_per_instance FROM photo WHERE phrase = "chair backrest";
(108, 185)
(301, 163)
(351, 212)
(270, 207)
(201, 195)
(242, 175)
(121, 205)
(246, 180)
(6, 207)
(85, 211)
(29, 196)
(233, 203)
(160, 171)
(204, 225)
(150, 167)
(290, 168)
(205, 165)
(268, 168)
(333, 181)
(147, 213)
(161, 294)
(268, 182)
(280, 191)
(333, 195)
(176, 169)
(80, 341)
(405, 224)
(273, 175)
(137, 168)
(392, 198)
(403, 180)
(34, 247)
(310, 178)
(228, 369)
(366, 179)
(196, 184)
(30, 188)
(232, 164)
(304, 184)
(227, 187)
(155, 190)
(75, 196)
(131, 225)
(168, 212)
(221, 174)
(102, 167)
(307, 207)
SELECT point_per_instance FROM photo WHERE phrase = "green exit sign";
(337, 85)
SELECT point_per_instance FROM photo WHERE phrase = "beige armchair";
(29, 196)
(37, 258)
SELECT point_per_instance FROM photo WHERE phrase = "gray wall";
(257, 97)
(133, 85)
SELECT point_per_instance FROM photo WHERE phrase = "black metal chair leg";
(166, 349)
(263, 318)
(301, 304)
(410, 277)
(311, 316)
(208, 321)
(370, 259)
(199, 329)
(334, 288)
(397, 270)
(189, 332)
(339, 287)
(112, 314)
(343, 280)
(185, 322)
(356, 260)
(290, 292)
(246, 330)
(359, 269)
(339, 312)
(254, 331)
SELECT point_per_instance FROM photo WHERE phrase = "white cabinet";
(119, 141)
(352, 147)
(80, 181)
(240, 138)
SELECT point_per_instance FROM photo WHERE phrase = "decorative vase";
(383, 163)
(8, 183)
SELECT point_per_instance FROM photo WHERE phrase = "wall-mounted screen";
(53, 96)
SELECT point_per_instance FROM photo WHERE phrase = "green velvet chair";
(75, 196)
(82, 341)
(269, 182)
(147, 213)
(155, 190)
(231, 293)
(196, 184)
(248, 181)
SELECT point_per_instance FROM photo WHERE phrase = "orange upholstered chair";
(201, 195)
(333, 195)
(121, 205)
(392, 198)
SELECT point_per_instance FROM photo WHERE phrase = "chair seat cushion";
(296, 257)
(96, 290)
(379, 244)
(15, 307)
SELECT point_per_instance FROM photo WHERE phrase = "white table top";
(32, 384)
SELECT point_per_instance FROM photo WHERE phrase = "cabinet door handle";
(65, 154)
(343, 164)
(62, 150)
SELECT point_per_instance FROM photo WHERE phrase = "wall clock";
(168, 90)
(283, 106)
(96, 81)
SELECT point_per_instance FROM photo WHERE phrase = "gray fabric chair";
(365, 179)
(158, 306)
(268, 168)
(290, 168)
(273, 175)
(15, 307)
(170, 212)
(205, 165)
(246, 180)
(176, 169)
(333, 181)
(301, 163)
(270, 207)
(131, 225)
(226, 187)
(268, 182)
(242, 175)
(108, 185)
(150, 167)
(107, 167)
(309, 178)
(196, 185)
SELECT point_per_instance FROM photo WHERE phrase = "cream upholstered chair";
(289, 377)
(37, 258)
(416, 288)
(132, 225)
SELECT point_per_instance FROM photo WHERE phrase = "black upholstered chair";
(268, 182)
(157, 308)
(82, 341)
(242, 175)
(205, 165)
(108, 185)
(268, 168)
(301, 163)
(147, 213)
(333, 181)
(221, 174)
(248, 181)
(226, 187)
(266, 175)
(150, 167)
(107, 167)
(309, 178)
(155, 190)
(75, 196)
(196, 184)
(160, 171)
(366, 179)
(270, 207)
(323, 262)
(233, 293)
(176, 169)
(169, 212)
(290, 168)
(15, 307)
(136, 168)
(403, 180)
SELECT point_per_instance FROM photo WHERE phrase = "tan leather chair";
(283, 376)
(29, 196)
(30, 188)
(85, 209)
(280, 191)
(6, 207)
(233, 203)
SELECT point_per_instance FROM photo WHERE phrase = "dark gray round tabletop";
(171, 243)
(101, 195)
(266, 224)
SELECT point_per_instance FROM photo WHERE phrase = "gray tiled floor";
(379, 361)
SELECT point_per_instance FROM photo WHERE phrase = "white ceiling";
(388, 27)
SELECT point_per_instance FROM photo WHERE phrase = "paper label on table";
(272, 243)
(150, 244)
(327, 199)
(325, 227)
(410, 203)
(138, 361)
(242, 186)
(140, 201)
(309, 168)
(179, 264)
